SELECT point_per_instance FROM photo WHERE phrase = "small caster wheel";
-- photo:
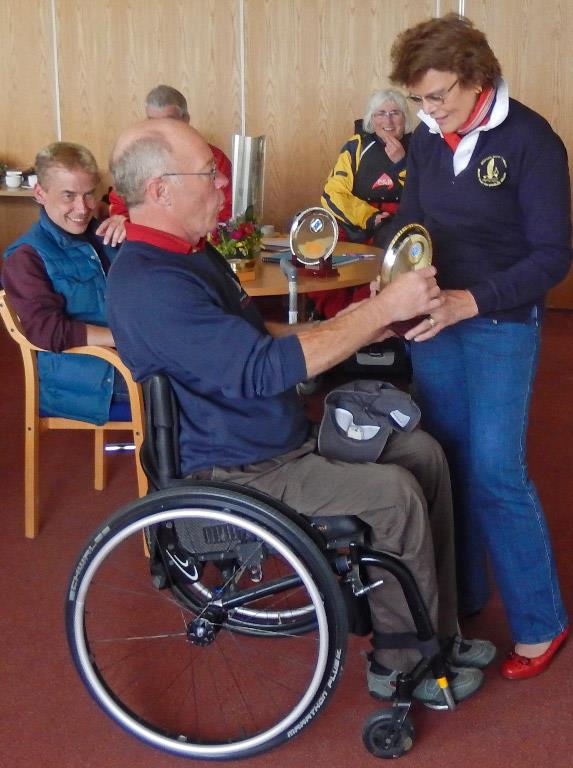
(383, 739)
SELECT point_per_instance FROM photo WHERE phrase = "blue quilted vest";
(72, 386)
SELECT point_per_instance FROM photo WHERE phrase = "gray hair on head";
(134, 165)
(165, 96)
(375, 102)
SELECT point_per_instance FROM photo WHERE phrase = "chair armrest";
(109, 354)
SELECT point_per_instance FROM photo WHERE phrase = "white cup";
(13, 179)
(267, 230)
(32, 180)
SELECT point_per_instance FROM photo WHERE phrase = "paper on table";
(275, 243)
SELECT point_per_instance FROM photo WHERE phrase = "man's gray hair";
(375, 102)
(165, 96)
(133, 166)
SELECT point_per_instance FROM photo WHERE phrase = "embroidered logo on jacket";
(383, 181)
(492, 171)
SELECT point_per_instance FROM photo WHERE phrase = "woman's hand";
(457, 306)
(379, 218)
(394, 148)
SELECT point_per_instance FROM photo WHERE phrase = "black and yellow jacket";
(364, 182)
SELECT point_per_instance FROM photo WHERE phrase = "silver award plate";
(313, 236)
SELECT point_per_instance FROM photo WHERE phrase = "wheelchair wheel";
(383, 739)
(185, 680)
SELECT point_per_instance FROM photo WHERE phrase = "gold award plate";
(411, 248)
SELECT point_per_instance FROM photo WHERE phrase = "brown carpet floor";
(47, 719)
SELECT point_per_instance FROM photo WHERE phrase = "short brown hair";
(64, 154)
(448, 44)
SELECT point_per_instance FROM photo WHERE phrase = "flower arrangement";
(238, 238)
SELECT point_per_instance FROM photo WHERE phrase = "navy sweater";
(187, 316)
(500, 229)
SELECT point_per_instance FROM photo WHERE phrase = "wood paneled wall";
(310, 67)
(307, 68)
(28, 113)
(113, 52)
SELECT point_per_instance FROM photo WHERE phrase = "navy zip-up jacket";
(186, 315)
(500, 228)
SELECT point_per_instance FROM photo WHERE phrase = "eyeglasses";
(433, 98)
(212, 173)
(392, 114)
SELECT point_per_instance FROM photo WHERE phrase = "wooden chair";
(35, 424)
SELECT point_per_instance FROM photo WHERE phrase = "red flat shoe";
(517, 667)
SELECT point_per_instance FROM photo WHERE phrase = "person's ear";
(39, 194)
(158, 191)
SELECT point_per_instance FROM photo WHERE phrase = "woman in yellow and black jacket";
(365, 186)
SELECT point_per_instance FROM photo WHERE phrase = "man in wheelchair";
(175, 307)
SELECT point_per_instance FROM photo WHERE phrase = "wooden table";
(17, 192)
(271, 281)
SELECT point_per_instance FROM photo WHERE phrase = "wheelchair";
(211, 621)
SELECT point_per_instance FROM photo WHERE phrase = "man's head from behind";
(165, 101)
(166, 173)
(67, 180)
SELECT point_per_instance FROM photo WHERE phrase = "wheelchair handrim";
(107, 700)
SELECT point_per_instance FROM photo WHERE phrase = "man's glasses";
(433, 98)
(212, 173)
(392, 114)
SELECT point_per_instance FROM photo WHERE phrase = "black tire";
(380, 738)
(136, 647)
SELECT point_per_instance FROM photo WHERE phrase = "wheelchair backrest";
(160, 451)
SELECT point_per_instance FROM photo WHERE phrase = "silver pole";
(289, 270)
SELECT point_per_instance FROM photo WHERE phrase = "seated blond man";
(54, 276)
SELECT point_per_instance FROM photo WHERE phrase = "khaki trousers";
(405, 498)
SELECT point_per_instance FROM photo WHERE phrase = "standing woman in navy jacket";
(489, 179)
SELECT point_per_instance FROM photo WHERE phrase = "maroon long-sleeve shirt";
(42, 311)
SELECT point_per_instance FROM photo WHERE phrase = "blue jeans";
(474, 382)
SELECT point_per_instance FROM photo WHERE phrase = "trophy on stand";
(313, 238)
(411, 248)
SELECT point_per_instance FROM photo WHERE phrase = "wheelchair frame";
(228, 635)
